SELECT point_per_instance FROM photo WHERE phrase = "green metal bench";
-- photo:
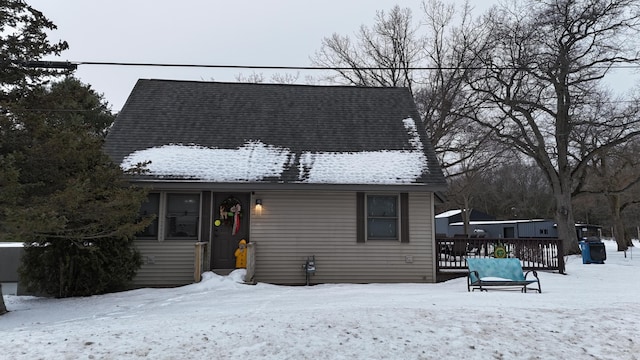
(493, 272)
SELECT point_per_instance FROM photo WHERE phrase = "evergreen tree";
(61, 195)
(72, 208)
(22, 38)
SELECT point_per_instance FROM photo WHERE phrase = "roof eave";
(256, 186)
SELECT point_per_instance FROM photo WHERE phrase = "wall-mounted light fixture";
(259, 206)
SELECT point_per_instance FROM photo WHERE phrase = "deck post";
(198, 263)
(251, 263)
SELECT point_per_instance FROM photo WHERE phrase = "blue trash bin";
(586, 254)
(593, 252)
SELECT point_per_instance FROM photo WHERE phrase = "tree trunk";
(3, 307)
(466, 215)
(566, 224)
(465, 221)
(618, 224)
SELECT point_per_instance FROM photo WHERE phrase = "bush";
(65, 268)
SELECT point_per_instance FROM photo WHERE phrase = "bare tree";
(616, 176)
(542, 69)
(443, 97)
(468, 185)
(259, 78)
(514, 189)
(383, 55)
(433, 67)
(254, 78)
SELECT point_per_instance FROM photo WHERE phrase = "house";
(344, 174)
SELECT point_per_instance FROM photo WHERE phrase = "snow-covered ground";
(593, 312)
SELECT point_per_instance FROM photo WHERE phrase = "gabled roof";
(271, 133)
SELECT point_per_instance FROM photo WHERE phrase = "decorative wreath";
(230, 213)
(500, 252)
(228, 209)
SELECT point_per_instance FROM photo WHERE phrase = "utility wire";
(73, 65)
(271, 67)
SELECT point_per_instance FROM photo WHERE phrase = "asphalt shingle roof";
(300, 118)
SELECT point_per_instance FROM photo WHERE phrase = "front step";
(222, 272)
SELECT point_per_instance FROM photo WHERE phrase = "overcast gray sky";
(217, 32)
(238, 32)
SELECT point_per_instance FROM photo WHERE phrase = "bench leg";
(524, 289)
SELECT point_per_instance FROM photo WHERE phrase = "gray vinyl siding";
(165, 263)
(294, 225)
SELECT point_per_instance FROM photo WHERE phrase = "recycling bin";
(593, 252)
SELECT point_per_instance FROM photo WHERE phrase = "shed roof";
(274, 133)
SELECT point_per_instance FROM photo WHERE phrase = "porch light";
(259, 206)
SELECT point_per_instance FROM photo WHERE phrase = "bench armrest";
(532, 272)
(474, 273)
(535, 274)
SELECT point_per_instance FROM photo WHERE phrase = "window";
(382, 217)
(183, 212)
(148, 208)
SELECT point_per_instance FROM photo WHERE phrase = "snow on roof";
(493, 222)
(368, 167)
(251, 162)
(11, 244)
(449, 213)
(255, 161)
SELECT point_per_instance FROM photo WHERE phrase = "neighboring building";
(10, 255)
(533, 228)
(448, 225)
(346, 174)
(443, 220)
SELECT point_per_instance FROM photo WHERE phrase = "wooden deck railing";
(534, 253)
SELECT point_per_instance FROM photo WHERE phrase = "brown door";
(228, 229)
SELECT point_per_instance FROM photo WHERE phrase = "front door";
(229, 227)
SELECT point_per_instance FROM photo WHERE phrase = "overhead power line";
(72, 65)
(272, 67)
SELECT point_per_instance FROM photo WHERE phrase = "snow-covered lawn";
(593, 312)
